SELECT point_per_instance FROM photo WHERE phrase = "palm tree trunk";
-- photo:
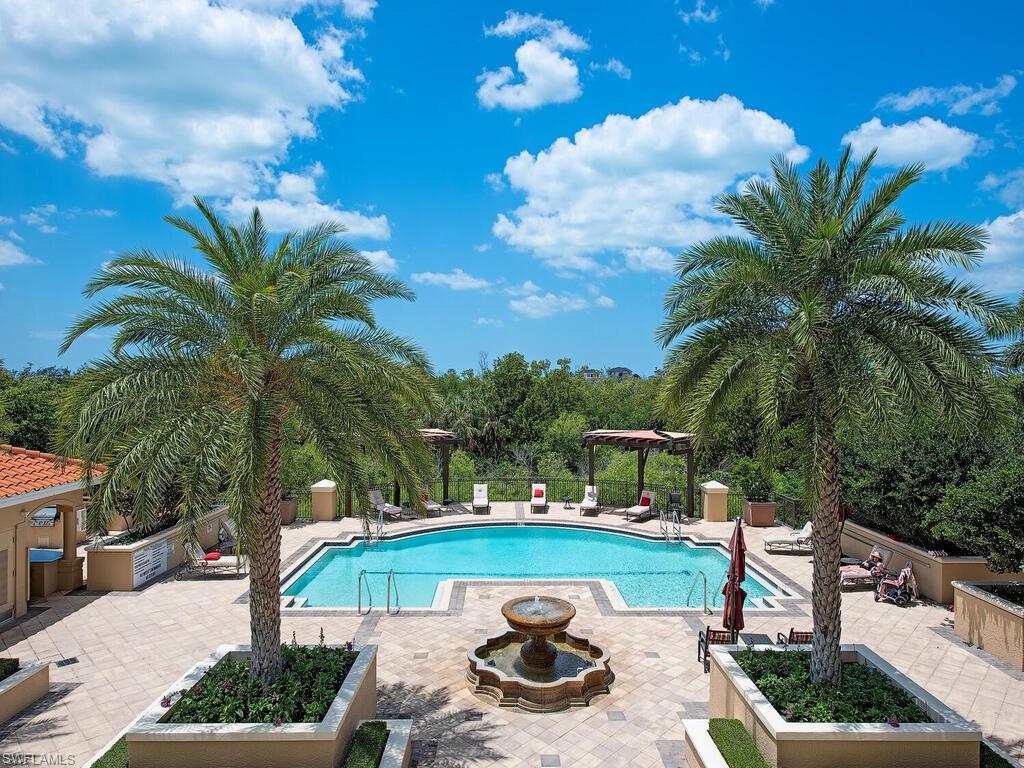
(264, 570)
(826, 593)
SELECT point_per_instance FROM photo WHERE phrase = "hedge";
(8, 667)
(367, 745)
(736, 745)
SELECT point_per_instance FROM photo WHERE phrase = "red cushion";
(645, 502)
(538, 493)
(212, 556)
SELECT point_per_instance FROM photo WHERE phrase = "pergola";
(436, 438)
(643, 441)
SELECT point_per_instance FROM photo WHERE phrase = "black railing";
(793, 512)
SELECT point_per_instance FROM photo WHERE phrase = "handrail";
(363, 578)
(718, 589)
(693, 584)
(393, 578)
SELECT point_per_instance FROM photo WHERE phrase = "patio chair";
(198, 561)
(709, 637)
(539, 498)
(797, 541)
(382, 508)
(431, 506)
(480, 502)
(866, 574)
(643, 508)
(227, 535)
(589, 503)
(675, 503)
(795, 637)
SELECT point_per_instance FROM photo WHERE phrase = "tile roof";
(25, 471)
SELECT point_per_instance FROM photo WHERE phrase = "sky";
(530, 169)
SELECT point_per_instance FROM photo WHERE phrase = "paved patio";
(130, 646)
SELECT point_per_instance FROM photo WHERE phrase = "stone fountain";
(537, 665)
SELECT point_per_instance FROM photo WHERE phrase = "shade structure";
(733, 591)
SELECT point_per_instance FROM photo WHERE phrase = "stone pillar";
(715, 499)
(69, 568)
(324, 500)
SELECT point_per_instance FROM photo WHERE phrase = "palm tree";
(832, 311)
(1013, 355)
(206, 363)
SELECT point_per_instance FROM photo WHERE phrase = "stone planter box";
(125, 567)
(26, 686)
(989, 622)
(935, 575)
(948, 740)
(289, 510)
(701, 750)
(759, 514)
(398, 750)
(155, 743)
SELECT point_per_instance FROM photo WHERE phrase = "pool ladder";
(372, 535)
(671, 526)
(693, 586)
(393, 580)
(364, 581)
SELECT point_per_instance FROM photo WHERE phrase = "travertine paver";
(130, 646)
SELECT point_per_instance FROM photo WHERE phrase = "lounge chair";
(431, 506)
(382, 508)
(227, 535)
(198, 561)
(539, 498)
(643, 508)
(589, 503)
(709, 637)
(795, 637)
(861, 576)
(480, 502)
(797, 541)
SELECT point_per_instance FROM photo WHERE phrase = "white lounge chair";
(539, 497)
(480, 502)
(431, 506)
(227, 534)
(589, 503)
(852, 575)
(198, 561)
(382, 508)
(797, 541)
(643, 508)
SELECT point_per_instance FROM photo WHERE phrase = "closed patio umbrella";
(734, 594)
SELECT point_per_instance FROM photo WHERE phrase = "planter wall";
(701, 750)
(947, 741)
(935, 575)
(759, 514)
(23, 688)
(398, 750)
(124, 567)
(289, 510)
(989, 622)
(155, 743)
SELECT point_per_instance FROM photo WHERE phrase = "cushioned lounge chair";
(198, 561)
(797, 541)
(643, 508)
(859, 576)
(382, 508)
(480, 501)
(539, 498)
(589, 504)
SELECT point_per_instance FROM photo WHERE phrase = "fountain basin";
(578, 672)
(540, 617)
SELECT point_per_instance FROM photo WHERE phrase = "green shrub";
(8, 667)
(754, 479)
(736, 745)
(115, 757)
(990, 759)
(865, 696)
(367, 745)
(302, 693)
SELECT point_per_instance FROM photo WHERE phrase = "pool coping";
(449, 597)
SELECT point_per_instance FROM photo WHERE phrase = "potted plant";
(289, 508)
(756, 484)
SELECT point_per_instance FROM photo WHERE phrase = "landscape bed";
(990, 615)
(21, 685)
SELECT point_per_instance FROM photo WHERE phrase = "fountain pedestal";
(538, 666)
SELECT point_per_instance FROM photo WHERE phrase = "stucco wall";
(989, 624)
(23, 688)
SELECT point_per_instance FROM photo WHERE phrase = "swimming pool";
(647, 573)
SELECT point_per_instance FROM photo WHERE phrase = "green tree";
(562, 439)
(206, 365)
(1014, 354)
(30, 404)
(836, 312)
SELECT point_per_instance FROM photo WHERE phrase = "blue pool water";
(648, 574)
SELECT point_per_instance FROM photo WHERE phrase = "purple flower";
(787, 712)
(894, 723)
(277, 721)
(348, 646)
(165, 702)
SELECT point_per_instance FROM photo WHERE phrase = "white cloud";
(695, 56)
(637, 182)
(614, 66)
(495, 181)
(765, 3)
(700, 14)
(12, 256)
(382, 260)
(926, 140)
(722, 49)
(650, 259)
(296, 205)
(482, 247)
(1002, 269)
(457, 280)
(547, 76)
(525, 289)
(538, 306)
(958, 99)
(1009, 186)
(360, 10)
(15, 236)
(489, 321)
(201, 98)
